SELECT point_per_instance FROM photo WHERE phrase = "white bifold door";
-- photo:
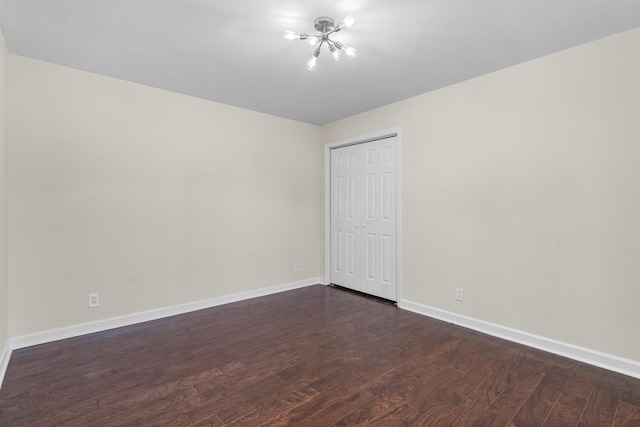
(363, 217)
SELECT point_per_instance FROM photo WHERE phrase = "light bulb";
(311, 64)
(348, 22)
(313, 40)
(291, 35)
(335, 52)
(349, 51)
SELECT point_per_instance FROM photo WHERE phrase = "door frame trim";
(327, 200)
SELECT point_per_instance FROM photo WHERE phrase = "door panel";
(344, 267)
(363, 177)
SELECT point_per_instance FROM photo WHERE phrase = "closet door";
(346, 172)
(363, 217)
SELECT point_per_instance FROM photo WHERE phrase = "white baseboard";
(131, 319)
(4, 360)
(592, 357)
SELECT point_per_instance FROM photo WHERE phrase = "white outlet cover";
(94, 300)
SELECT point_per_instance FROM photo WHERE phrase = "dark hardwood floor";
(316, 356)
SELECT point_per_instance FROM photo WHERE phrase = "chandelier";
(326, 27)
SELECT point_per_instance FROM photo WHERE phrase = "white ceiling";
(233, 51)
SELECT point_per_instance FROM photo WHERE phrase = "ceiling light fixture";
(326, 26)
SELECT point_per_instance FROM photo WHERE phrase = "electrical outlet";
(296, 267)
(94, 300)
(459, 294)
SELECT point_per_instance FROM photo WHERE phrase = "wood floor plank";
(266, 406)
(631, 391)
(540, 402)
(376, 409)
(400, 379)
(228, 396)
(522, 379)
(627, 415)
(399, 415)
(433, 394)
(212, 421)
(338, 409)
(468, 410)
(500, 373)
(315, 356)
(301, 414)
(573, 399)
(602, 405)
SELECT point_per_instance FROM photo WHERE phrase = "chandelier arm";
(334, 30)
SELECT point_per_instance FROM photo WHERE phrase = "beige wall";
(4, 297)
(523, 188)
(149, 197)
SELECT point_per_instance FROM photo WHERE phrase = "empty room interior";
(398, 213)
